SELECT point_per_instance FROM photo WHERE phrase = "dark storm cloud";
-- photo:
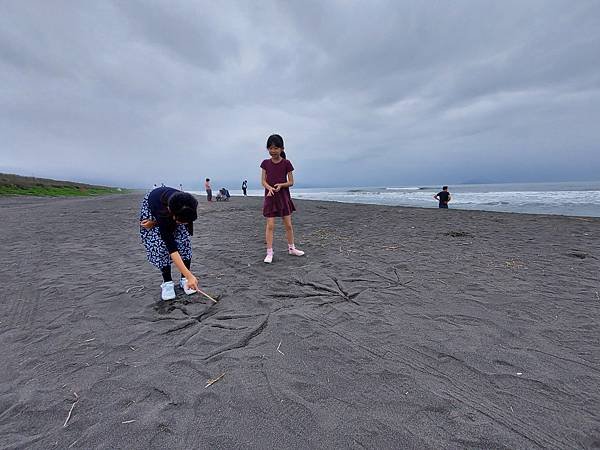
(132, 93)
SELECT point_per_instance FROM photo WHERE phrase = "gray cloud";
(133, 93)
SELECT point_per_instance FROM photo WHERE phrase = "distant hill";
(11, 184)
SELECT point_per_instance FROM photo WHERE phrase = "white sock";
(269, 251)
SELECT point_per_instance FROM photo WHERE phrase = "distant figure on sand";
(443, 197)
(166, 223)
(277, 178)
(208, 190)
(223, 195)
(180, 187)
(245, 186)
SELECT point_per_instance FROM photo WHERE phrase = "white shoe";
(183, 284)
(269, 258)
(294, 251)
(168, 290)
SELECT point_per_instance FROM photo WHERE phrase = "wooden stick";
(141, 288)
(206, 295)
(71, 410)
(211, 382)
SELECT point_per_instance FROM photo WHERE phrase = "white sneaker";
(183, 284)
(269, 258)
(294, 251)
(168, 290)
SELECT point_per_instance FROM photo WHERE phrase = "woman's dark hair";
(276, 141)
(183, 206)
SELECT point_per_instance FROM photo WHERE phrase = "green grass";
(58, 191)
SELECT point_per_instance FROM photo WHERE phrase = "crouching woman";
(166, 224)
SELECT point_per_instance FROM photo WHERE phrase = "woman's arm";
(148, 223)
(166, 233)
(192, 281)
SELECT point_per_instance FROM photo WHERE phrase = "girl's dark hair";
(184, 207)
(276, 141)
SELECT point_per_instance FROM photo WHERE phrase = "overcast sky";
(364, 93)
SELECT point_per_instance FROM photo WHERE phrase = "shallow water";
(572, 199)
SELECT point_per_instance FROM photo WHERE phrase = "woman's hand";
(277, 187)
(271, 191)
(147, 224)
(192, 282)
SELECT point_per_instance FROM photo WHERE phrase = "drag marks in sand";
(444, 376)
(195, 318)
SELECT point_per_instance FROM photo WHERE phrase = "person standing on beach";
(277, 178)
(208, 190)
(245, 187)
(443, 197)
(166, 224)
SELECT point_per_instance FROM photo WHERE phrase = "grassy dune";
(11, 184)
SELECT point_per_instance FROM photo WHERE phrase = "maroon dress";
(280, 203)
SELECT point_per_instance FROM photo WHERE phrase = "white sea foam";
(581, 199)
(552, 198)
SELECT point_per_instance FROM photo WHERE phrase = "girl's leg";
(289, 231)
(289, 234)
(166, 273)
(269, 230)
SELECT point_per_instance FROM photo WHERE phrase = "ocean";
(566, 198)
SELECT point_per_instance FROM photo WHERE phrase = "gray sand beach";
(400, 328)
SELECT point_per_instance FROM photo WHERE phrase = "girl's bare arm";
(290, 181)
(263, 181)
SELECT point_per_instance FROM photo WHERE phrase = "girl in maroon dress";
(277, 178)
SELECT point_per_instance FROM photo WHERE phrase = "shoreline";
(295, 199)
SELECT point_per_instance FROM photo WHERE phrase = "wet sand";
(401, 328)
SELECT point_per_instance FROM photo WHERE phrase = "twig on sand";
(90, 340)
(597, 295)
(211, 382)
(128, 421)
(206, 295)
(71, 410)
(140, 288)
(280, 350)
